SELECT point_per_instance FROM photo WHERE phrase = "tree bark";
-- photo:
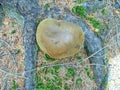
(29, 9)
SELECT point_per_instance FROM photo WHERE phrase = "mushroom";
(59, 38)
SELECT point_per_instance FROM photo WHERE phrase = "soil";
(12, 50)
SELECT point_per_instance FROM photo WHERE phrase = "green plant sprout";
(47, 5)
(48, 58)
(104, 12)
(87, 70)
(78, 81)
(14, 85)
(80, 1)
(96, 23)
(13, 32)
(80, 11)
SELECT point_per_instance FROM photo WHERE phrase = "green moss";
(80, 11)
(48, 58)
(4, 34)
(38, 21)
(51, 85)
(80, 1)
(87, 70)
(54, 83)
(47, 5)
(104, 12)
(78, 57)
(18, 51)
(56, 68)
(79, 81)
(14, 85)
(96, 23)
(39, 83)
(13, 32)
(66, 87)
(103, 29)
(70, 73)
(52, 71)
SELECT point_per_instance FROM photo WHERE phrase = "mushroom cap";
(59, 38)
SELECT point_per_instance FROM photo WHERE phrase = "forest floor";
(57, 74)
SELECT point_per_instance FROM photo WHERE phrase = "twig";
(12, 55)
(76, 62)
(94, 54)
(5, 82)
(2, 54)
(12, 74)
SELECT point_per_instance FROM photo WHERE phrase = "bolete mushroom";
(59, 38)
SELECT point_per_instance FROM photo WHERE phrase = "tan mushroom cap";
(59, 38)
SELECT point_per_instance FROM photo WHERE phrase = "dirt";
(12, 49)
(11, 45)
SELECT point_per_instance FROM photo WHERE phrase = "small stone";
(116, 11)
